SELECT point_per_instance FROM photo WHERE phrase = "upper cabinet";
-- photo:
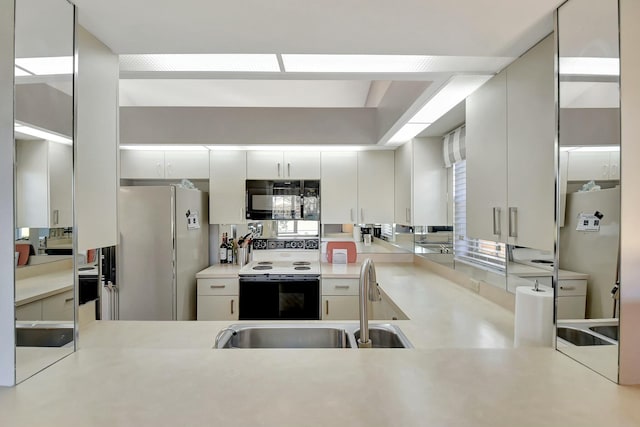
(531, 135)
(142, 164)
(283, 165)
(486, 146)
(44, 184)
(339, 187)
(227, 187)
(510, 153)
(420, 183)
(375, 187)
(593, 165)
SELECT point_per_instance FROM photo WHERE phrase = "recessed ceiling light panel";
(46, 66)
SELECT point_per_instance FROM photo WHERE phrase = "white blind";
(453, 147)
(482, 253)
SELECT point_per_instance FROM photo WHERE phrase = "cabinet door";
(136, 164)
(339, 187)
(32, 188)
(340, 307)
(186, 164)
(614, 165)
(227, 187)
(375, 187)
(60, 185)
(218, 307)
(58, 307)
(301, 164)
(571, 307)
(588, 165)
(403, 171)
(31, 311)
(265, 165)
(486, 145)
(530, 152)
(429, 183)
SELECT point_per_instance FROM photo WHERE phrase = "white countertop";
(221, 271)
(462, 372)
(43, 285)
(524, 270)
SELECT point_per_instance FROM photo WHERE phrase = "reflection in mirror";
(44, 288)
(589, 183)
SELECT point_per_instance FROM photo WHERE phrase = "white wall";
(630, 197)
(96, 143)
(7, 249)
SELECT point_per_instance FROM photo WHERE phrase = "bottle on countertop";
(230, 244)
(223, 249)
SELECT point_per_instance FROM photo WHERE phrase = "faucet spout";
(368, 292)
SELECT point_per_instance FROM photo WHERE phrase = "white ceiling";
(484, 35)
(244, 93)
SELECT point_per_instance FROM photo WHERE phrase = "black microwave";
(283, 199)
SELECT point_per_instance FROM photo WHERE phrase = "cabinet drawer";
(58, 307)
(340, 286)
(218, 287)
(572, 288)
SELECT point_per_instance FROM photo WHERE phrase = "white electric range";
(282, 282)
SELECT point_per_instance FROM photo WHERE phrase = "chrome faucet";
(368, 292)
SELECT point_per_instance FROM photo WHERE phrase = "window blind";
(454, 149)
(482, 253)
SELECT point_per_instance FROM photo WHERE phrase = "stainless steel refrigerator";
(164, 242)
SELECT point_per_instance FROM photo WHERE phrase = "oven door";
(279, 297)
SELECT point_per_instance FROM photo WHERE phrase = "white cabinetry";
(420, 183)
(572, 296)
(340, 299)
(186, 164)
(227, 187)
(593, 165)
(486, 145)
(510, 153)
(339, 187)
(44, 184)
(143, 164)
(375, 187)
(283, 165)
(59, 307)
(218, 299)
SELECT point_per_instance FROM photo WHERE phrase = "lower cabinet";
(59, 307)
(340, 299)
(218, 299)
(572, 296)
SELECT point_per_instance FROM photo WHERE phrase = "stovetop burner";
(265, 263)
(302, 268)
(301, 263)
(262, 267)
(542, 261)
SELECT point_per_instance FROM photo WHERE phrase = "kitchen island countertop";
(462, 372)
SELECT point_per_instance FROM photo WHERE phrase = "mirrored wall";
(44, 123)
(589, 182)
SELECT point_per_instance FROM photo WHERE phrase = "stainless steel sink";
(386, 336)
(43, 335)
(285, 336)
(580, 337)
(307, 335)
(610, 331)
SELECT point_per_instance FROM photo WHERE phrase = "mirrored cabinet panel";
(589, 183)
(44, 116)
